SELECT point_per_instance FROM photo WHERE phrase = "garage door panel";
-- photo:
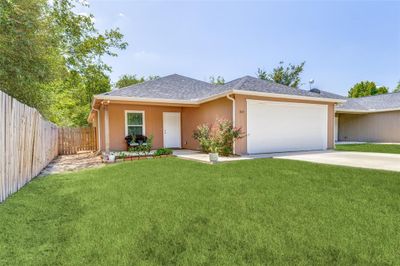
(282, 126)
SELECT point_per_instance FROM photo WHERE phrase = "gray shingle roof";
(371, 103)
(169, 87)
(249, 83)
(183, 88)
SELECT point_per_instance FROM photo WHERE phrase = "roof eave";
(207, 99)
(368, 111)
(288, 96)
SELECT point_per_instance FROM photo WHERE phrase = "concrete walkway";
(381, 161)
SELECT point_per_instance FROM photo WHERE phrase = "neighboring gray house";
(371, 119)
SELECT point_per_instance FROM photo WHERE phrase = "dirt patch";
(67, 163)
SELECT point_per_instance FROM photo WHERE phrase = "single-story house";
(370, 119)
(275, 118)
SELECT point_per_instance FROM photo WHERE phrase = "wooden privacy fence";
(73, 140)
(27, 144)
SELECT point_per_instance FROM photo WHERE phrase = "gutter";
(98, 130)
(368, 111)
(233, 118)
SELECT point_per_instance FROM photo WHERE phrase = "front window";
(135, 123)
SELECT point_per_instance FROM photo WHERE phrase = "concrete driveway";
(381, 161)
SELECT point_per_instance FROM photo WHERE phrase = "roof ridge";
(240, 82)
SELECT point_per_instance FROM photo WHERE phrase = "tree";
(28, 52)
(128, 80)
(51, 57)
(397, 89)
(366, 88)
(286, 75)
(219, 80)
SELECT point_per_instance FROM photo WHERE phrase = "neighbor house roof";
(184, 89)
(370, 104)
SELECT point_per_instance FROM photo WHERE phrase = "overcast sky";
(342, 42)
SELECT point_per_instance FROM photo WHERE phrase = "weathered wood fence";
(74, 140)
(27, 144)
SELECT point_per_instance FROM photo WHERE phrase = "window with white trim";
(134, 123)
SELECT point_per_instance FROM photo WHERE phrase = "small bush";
(219, 140)
(143, 149)
(163, 151)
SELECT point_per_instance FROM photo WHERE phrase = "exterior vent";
(315, 90)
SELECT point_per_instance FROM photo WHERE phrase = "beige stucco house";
(369, 119)
(275, 118)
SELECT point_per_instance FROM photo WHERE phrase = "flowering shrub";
(219, 140)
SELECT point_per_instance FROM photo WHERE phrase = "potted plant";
(111, 157)
(214, 147)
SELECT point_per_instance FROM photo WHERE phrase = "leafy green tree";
(219, 80)
(397, 89)
(366, 88)
(127, 80)
(29, 56)
(51, 57)
(286, 75)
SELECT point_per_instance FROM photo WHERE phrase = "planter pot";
(213, 157)
(111, 158)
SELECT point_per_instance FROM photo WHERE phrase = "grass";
(369, 147)
(172, 211)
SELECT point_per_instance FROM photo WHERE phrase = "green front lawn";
(172, 211)
(369, 147)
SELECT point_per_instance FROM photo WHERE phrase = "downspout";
(98, 131)
(233, 118)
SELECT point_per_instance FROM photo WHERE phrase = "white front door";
(172, 129)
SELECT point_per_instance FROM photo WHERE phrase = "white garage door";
(283, 126)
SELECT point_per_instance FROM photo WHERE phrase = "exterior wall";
(241, 118)
(191, 117)
(207, 113)
(373, 127)
(153, 123)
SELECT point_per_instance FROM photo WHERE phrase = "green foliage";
(202, 135)
(219, 80)
(366, 88)
(397, 89)
(289, 75)
(29, 59)
(128, 80)
(51, 57)
(220, 140)
(163, 151)
(142, 149)
(226, 135)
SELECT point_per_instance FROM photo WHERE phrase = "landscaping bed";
(134, 155)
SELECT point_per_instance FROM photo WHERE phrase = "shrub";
(219, 140)
(202, 135)
(143, 149)
(163, 151)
